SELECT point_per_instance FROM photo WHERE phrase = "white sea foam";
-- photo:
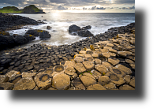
(60, 23)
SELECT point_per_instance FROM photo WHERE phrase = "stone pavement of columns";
(106, 65)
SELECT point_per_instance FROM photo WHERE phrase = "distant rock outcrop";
(31, 9)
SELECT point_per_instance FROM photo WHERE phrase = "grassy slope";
(12, 9)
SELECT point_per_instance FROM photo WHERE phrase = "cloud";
(128, 8)
(60, 8)
(68, 4)
(95, 8)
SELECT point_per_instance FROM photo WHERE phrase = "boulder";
(49, 27)
(19, 40)
(29, 37)
(85, 33)
(41, 33)
(86, 27)
(44, 35)
(74, 28)
(6, 41)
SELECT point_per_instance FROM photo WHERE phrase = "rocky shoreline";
(104, 61)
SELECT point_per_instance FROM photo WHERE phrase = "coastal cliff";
(31, 9)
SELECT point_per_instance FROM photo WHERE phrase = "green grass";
(13, 9)
(10, 11)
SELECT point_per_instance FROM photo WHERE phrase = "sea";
(60, 22)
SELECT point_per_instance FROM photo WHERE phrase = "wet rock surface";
(80, 66)
(83, 32)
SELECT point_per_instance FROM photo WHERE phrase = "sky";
(105, 6)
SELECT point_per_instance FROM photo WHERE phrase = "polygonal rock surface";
(119, 82)
(104, 50)
(15, 78)
(6, 86)
(118, 72)
(124, 69)
(129, 61)
(97, 61)
(127, 78)
(87, 79)
(96, 87)
(26, 74)
(126, 87)
(132, 82)
(69, 64)
(78, 84)
(80, 68)
(89, 65)
(96, 74)
(132, 66)
(101, 68)
(25, 84)
(71, 72)
(113, 61)
(110, 86)
(95, 55)
(103, 80)
(114, 77)
(106, 55)
(43, 80)
(61, 81)
(106, 64)
(12, 73)
(112, 50)
(3, 78)
(58, 68)
(78, 59)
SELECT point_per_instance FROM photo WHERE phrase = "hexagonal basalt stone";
(15, 78)
(71, 72)
(96, 74)
(132, 82)
(87, 79)
(118, 72)
(97, 61)
(127, 78)
(25, 84)
(129, 61)
(61, 81)
(113, 50)
(119, 82)
(6, 86)
(95, 55)
(114, 77)
(96, 87)
(101, 68)
(43, 81)
(106, 55)
(49, 71)
(106, 64)
(78, 84)
(58, 68)
(69, 64)
(124, 53)
(26, 74)
(126, 87)
(3, 78)
(80, 68)
(104, 50)
(113, 61)
(103, 80)
(78, 59)
(110, 86)
(12, 73)
(124, 69)
(132, 66)
(89, 65)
